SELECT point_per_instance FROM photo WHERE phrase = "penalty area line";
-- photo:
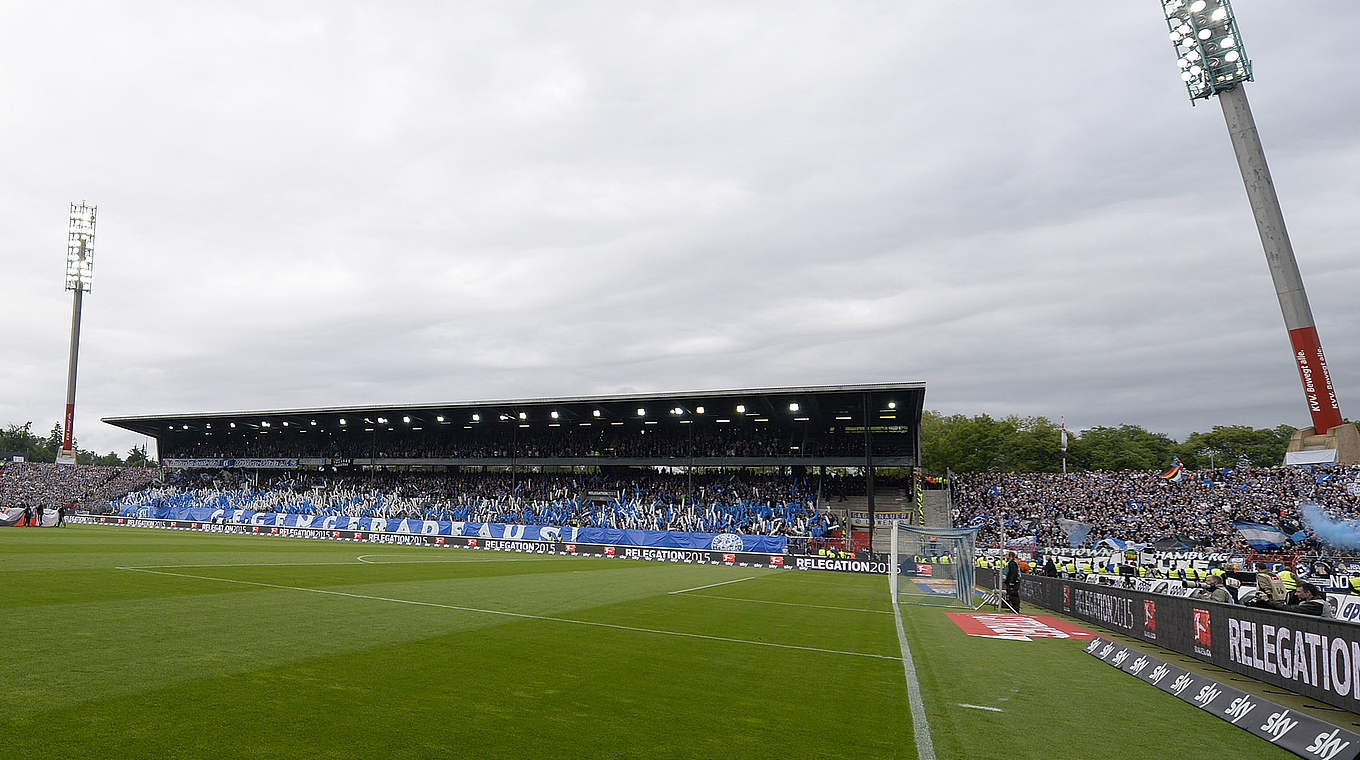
(522, 616)
(362, 559)
(713, 585)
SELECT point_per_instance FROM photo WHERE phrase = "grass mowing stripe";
(925, 746)
(785, 604)
(525, 616)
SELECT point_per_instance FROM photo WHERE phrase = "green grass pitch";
(254, 647)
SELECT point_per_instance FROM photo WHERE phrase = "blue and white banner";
(1076, 531)
(1260, 535)
(725, 542)
(227, 464)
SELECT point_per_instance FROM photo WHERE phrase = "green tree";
(1127, 447)
(981, 443)
(1264, 447)
(136, 457)
(19, 439)
(52, 443)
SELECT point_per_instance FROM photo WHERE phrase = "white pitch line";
(979, 707)
(785, 604)
(241, 564)
(712, 585)
(925, 746)
(522, 616)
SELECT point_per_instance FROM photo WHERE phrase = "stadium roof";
(886, 404)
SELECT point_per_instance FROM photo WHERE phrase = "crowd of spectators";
(507, 441)
(40, 484)
(1143, 507)
(731, 501)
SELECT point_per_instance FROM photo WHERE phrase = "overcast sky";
(319, 203)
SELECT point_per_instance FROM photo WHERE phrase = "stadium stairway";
(936, 506)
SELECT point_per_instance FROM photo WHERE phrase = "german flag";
(1175, 473)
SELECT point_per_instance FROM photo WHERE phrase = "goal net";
(932, 565)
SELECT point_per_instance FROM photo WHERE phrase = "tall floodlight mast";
(1213, 62)
(79, 280)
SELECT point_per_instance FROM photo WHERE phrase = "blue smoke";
(1343, 534)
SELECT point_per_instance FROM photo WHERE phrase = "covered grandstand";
(800, 431)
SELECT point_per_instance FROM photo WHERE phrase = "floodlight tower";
(1213, 62)
(79, 280)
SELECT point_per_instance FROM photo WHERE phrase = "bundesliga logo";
(1149, 614)
(729, 558)
(1202, 634)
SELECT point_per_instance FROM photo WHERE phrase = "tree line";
(21, 441)
(1031, 444)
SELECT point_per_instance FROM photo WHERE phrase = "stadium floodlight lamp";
(406, 419)
(440, 418)
(285, 423)
(1208, 46)
(741, 409)
(382, 420)
(698, 410)
(892, 404)
(313, 423)
(524, 415)
(342, 422)
(642, 412)
(233, 425)
(184, 427)
(80, 247)
(554, 414)
(596, 413)
(476, 418)
(793, 407)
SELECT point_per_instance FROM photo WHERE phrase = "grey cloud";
(322, 203)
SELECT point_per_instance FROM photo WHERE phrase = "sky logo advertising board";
(1298, 733)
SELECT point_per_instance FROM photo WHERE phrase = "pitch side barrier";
(1312, 656)
(563, 548)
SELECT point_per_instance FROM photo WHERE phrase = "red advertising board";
(999, 625)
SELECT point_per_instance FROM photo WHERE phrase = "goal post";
(931, 565)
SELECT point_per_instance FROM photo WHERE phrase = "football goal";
(931, 565)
